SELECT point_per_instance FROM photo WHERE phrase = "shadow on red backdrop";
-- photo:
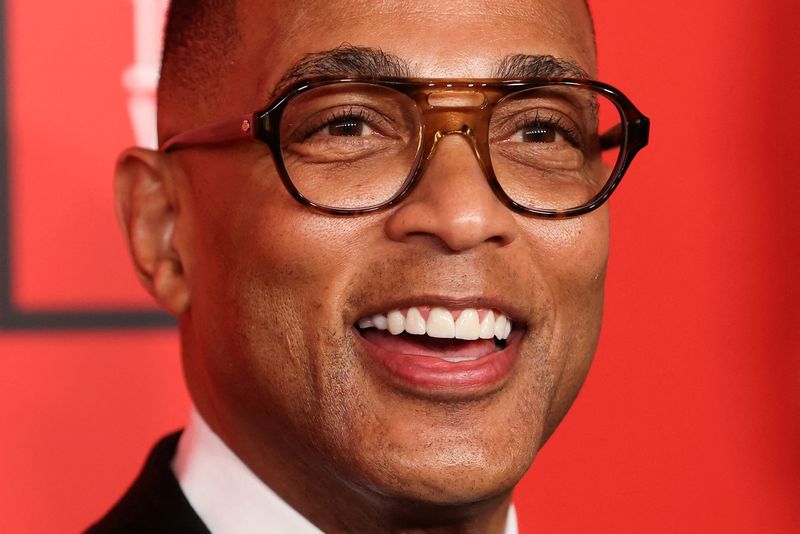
(688, 421)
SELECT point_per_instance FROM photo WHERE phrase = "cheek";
(248, 231)
(573, 249)
(264, 271)
(573, 255)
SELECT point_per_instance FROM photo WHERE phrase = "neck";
(489, 516)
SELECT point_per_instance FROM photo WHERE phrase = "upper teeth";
(440, 323)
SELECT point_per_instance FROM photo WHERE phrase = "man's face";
(273, 357)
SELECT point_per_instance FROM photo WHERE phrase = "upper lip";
(502, 305)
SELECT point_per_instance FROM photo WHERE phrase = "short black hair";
(198, 38)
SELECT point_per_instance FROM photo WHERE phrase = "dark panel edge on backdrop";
(13, 317)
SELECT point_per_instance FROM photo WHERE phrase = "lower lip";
(429, 374)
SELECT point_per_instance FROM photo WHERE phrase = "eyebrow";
(368, 62)
(538, 66)
(345, 61)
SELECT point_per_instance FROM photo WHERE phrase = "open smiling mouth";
(431, 347)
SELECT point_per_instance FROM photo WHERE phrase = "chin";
(451, 469)
(459, 486)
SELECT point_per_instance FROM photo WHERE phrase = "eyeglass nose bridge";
(457, 111)
(471, 132)
(437, 124)
(438, 135)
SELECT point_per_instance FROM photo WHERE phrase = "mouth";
(434, 349)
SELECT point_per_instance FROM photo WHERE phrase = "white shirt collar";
(231, 499)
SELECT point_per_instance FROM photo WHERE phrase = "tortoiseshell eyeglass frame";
(263, 125)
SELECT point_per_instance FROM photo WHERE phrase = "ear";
(147, 209)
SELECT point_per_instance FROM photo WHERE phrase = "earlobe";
(147, 209)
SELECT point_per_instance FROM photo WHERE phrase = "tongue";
(428, 346)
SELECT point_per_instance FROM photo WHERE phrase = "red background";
(690, 419)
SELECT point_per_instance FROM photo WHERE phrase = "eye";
(344, 123)
(348, 126)
(546, 131)
(535, 126)
(345, 133)
(539, 133)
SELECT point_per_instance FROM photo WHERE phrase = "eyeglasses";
(551, 148)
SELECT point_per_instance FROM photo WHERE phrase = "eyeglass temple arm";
(639, 131)
(222, 132)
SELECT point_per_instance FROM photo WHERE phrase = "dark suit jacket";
(154, 503)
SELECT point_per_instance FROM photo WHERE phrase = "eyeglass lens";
(356, 145)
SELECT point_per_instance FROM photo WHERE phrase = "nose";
(453, 203)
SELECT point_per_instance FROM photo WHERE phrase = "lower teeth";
(458, 360)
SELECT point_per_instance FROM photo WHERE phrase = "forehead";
(463, 38)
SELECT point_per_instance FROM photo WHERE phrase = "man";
(389, 279)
